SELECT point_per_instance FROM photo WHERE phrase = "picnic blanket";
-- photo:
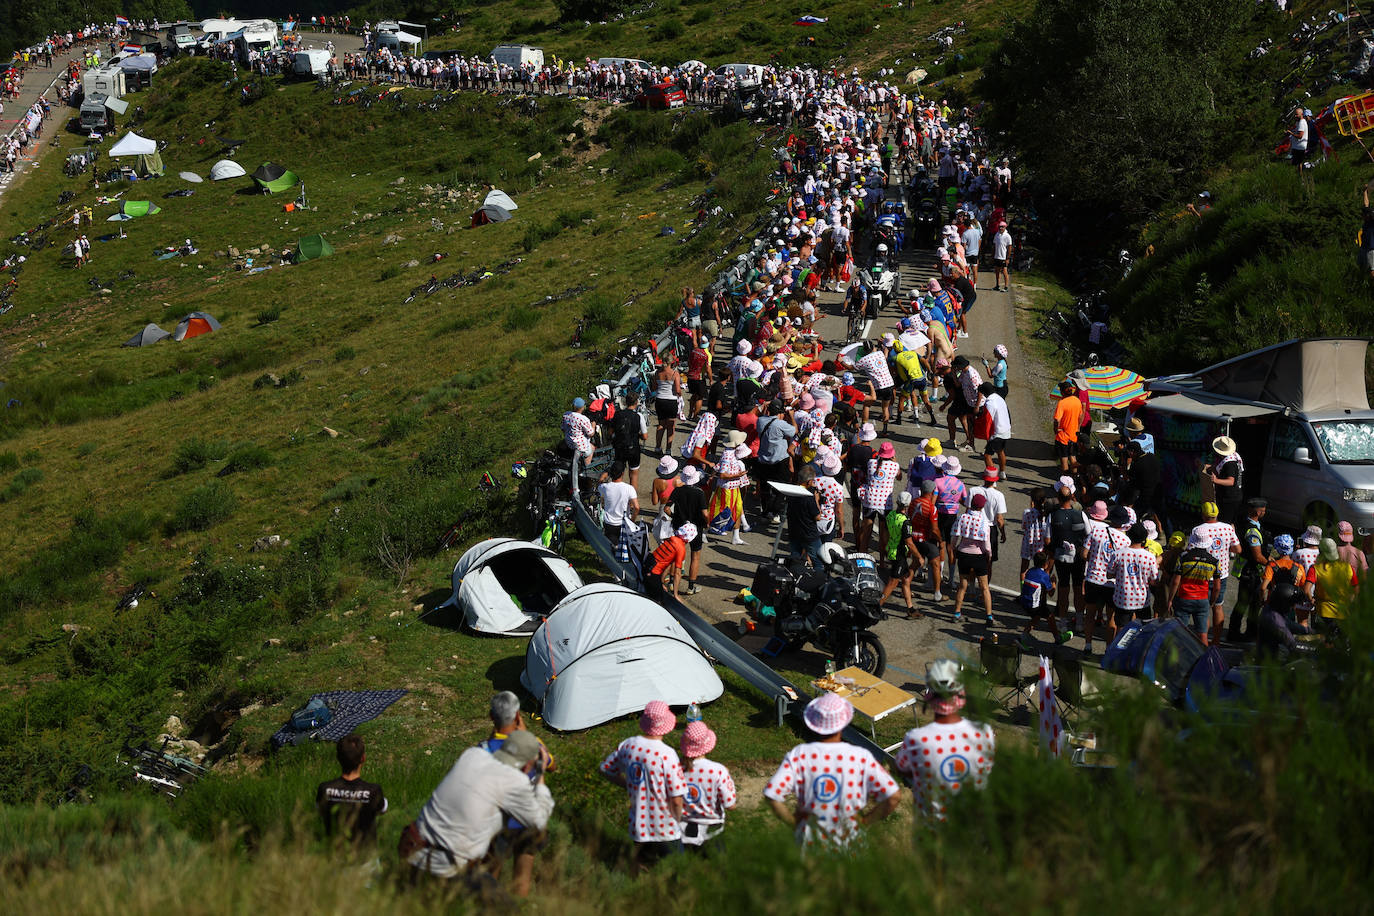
(349, 709)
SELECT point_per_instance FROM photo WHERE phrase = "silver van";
(1300, 417)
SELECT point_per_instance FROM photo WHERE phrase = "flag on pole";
(1051, 727)
(133, 49)
(120, 20)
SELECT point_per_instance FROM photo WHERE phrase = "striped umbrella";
(1111, 386)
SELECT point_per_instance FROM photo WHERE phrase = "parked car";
(662, 95)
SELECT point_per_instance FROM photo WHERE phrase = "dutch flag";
(120, 20)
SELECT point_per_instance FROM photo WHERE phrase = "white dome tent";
(504, 586)
(605, 651)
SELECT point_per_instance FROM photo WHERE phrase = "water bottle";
(693, 713)
(829, 667)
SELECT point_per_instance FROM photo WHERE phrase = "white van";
(518, 56)
(745, 74)
(311, 62)
(624, 63)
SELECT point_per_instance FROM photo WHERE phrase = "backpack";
(601, 410)
(625, 429)
(312, 715)
(1068, 533)
(895, 520)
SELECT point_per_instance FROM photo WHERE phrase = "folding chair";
(1068, 682)
(1001, 662)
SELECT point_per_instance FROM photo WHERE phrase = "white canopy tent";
(131, 144)
(504, 586)
(605, 651)
(226, 168)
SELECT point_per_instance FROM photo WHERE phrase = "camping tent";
(272, 178)
(150, 334)
(133, 145)
(498, 198)
(605, 651)
(504, 586)
(226, 168)
(495, 209)
(148, 165)
(190, 176)
(132, 208)
(312, 247)
(194, 325)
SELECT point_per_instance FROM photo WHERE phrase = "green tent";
(273, 178)
(312, 247)
(149, 165)
(140, 208)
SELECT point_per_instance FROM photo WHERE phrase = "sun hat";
(735, 438)
(1130, 515)
(1196, 539)
(952, 466)
(1328, 550)
(687, 531)
(690, 475)
(990, 475)
(1283, 545)
(667, 466)
(1000, 350)
(579, 403)
(1097, 511)
(518, 749)
(1135, 426)
(847, 378)
(978, 501)
(903, 499)
(1345, 532)
(1119, 517)
(886, 450)
(1224, 445)
(828, 713)
(743, 347)
(933, 286)
(1066, 483)
(1150, 529)
(944, 678)
(1210, 510)
(1312, 535)
(657, 719)
(697, 739)
(867, 432)
(742, 451)
(932, 447)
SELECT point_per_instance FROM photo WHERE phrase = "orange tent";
(194, 325)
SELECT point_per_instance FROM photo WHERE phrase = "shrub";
(202, 508)
(399, 426)
(269, 314)
(669, 29)
(520, 318)
(8, 461)
(20, 483)
(246, 457)
(527, 355)
(389, 272)
(195, 453)
(350, 487)
(344, 354)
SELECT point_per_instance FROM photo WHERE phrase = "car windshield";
(1347, 441)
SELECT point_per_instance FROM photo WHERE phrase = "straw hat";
(1224, 446)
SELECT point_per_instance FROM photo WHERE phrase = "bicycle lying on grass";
(162, 772)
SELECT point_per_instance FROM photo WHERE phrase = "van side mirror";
(1302, 456)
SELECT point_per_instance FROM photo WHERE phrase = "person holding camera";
(456, 831)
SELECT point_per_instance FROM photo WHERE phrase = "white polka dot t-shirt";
(653, 775)
(833, 782)
(945, 759)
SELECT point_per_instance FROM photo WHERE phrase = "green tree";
(1112, 103)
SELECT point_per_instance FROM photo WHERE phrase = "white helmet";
(882, 248)
(831, 551)
(944, 677)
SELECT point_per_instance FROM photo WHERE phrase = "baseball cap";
(519, 748)
(579, 403)
(1210, 510)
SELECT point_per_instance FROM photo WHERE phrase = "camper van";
(259, 35)
(138, 70)
(518, 56)
(107, 80)
(1299, 415)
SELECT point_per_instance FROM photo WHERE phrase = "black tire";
(867, 653)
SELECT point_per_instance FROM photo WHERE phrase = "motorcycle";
(832, 608)
(925, 221)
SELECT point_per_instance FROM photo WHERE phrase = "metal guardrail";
(720, 648)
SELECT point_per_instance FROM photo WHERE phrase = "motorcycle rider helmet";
(1282, 598)
(830, 552)
(882, 248)
(944, 677)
